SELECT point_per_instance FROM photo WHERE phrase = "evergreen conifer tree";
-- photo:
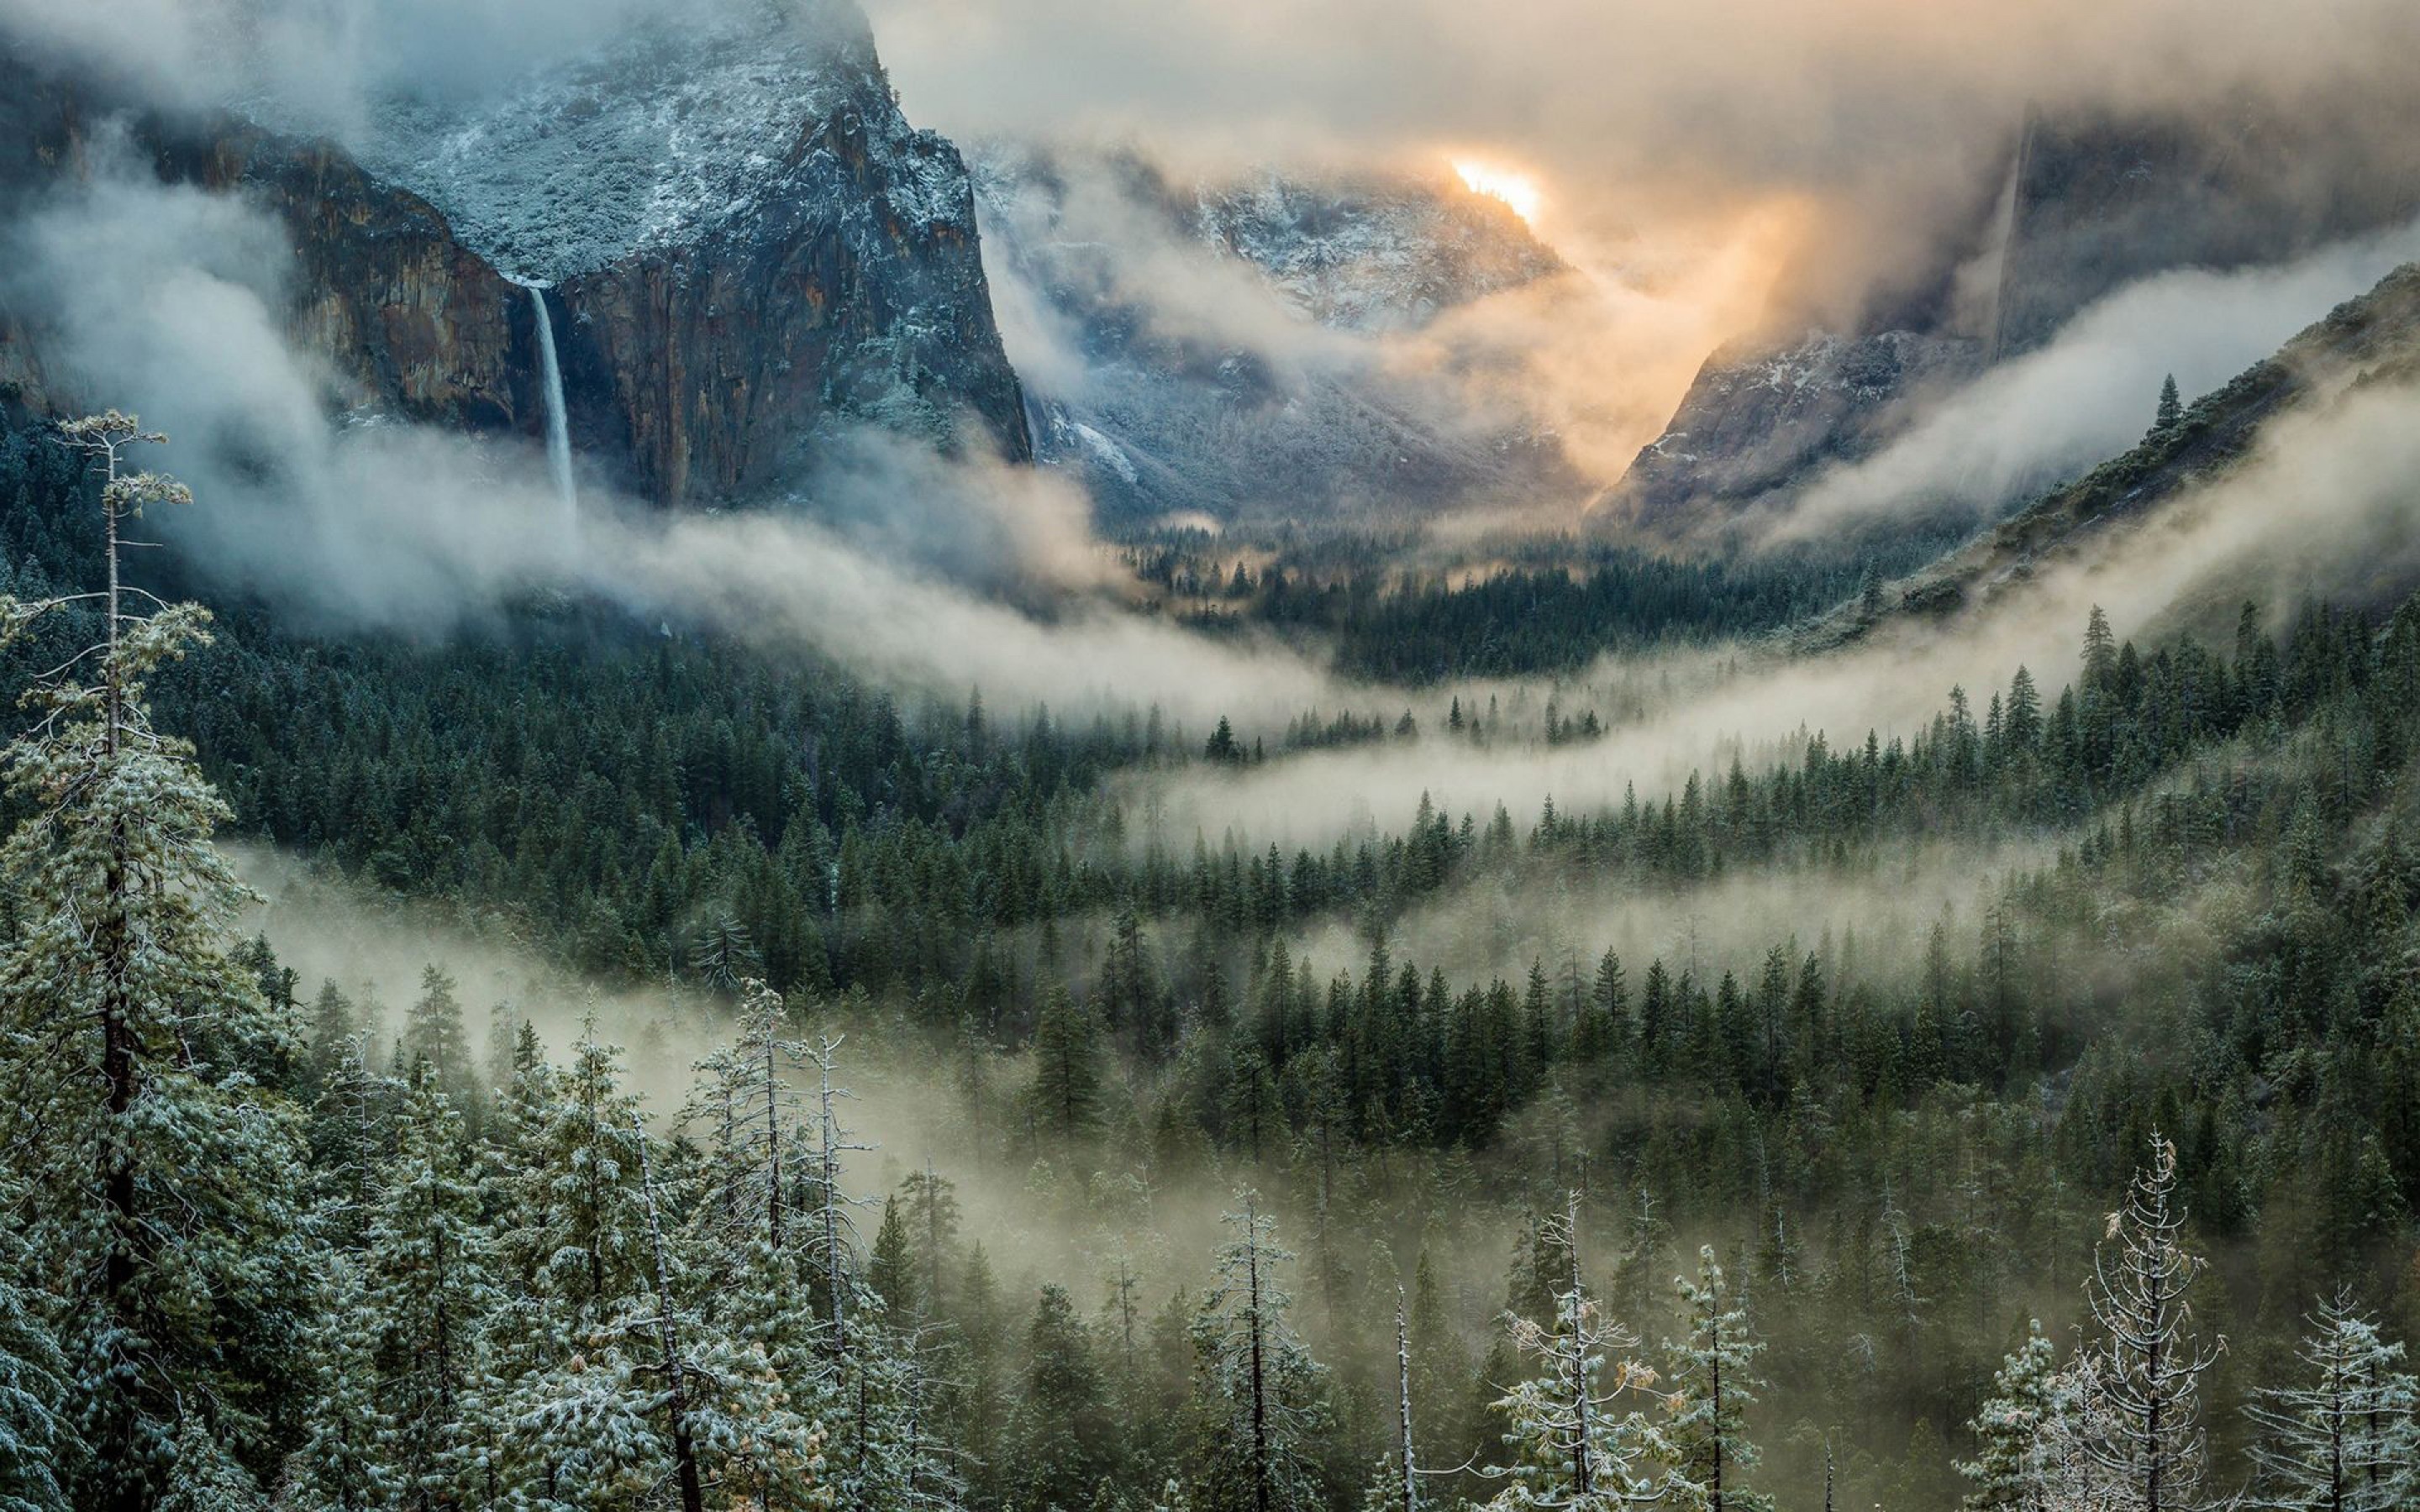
(1261, 1401)
(1713, 1384)
(160, 1180)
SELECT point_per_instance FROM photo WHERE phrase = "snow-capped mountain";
(745, 244)
(649, 141)
(750, 242)
(1371, 255)
(1239, 347)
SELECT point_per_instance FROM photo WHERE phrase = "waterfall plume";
(558, 424)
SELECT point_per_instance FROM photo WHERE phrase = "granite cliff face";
(409, 319)
(746, 243)
(746, 246)
(2089, 203)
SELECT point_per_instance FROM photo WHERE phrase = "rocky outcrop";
(1754, 424)
(747, 246)
(856, 293)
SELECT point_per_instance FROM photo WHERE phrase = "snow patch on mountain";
(1233, 346)
(1371, 253)
(654, 137)
(1107, 452)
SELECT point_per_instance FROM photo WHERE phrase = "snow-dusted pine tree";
(1408, 1470)
(748, 1109)
(1262, 1398)
(160, 1183)
(348, 1130)
(1713, 1384)
(832, 1240)
(38, 1448)
(1577, 1443)
(433, 1032)
(2343, 1440)
(573, 1233)
(342, 1464)
(2080, 1414)
(429, 1286)
(202, 1477)
(572, 1252)
(645, 1376)
(2148, 1436)
(2009, 1470)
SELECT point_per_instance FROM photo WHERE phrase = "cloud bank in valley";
(163, 301)
(2324, 506)
(2087, 396)
(158, 298)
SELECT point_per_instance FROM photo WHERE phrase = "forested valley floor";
(970, 1145)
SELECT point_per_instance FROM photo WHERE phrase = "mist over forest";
(931, 756)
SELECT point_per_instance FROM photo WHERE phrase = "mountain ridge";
(1220, 346)
(2372, 338)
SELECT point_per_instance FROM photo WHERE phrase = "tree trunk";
(1716, 1501)
(692, 1489)
(772, 1146)
(1403, 1399)
(112, 942)
(1260, 1399)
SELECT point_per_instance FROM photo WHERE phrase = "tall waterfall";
(558, 426)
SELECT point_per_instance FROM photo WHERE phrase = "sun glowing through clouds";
(1517, 190)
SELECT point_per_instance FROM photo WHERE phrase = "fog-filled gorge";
(965, 758)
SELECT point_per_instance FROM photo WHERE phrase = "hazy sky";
(1771, 90)
(1630, 110)
(1652, 124)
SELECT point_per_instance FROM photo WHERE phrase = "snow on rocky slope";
(1225, 347)
(1372, 254)
(648, 140)
(1761, 419)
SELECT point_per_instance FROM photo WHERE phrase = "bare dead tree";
(2151, 1441)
